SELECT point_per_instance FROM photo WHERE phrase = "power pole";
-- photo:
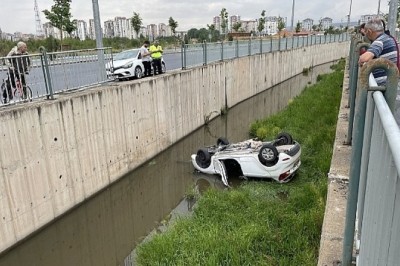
(97, 24)
(39, 30)
(379, 8)
(392, 18)
(348, 17)
(291, 26)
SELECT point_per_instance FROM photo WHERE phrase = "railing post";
(356, 153)
(205, 53)
(249, 47)
(261, 50)
(353, 77)
(222, 51)
(183, 55)
(279, 43)
(237, 48)
(46, 73)
(270, 43)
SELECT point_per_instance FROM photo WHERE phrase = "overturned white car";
(278, 159)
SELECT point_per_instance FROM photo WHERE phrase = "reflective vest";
(156, 55)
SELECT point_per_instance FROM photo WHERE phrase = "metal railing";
(374, 185)
(205, 53)
(57, 72)
(47, 74)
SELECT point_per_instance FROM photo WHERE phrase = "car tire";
(268, 155)
(285, 138)
(222, 141)
(138, 72)
(203, 158)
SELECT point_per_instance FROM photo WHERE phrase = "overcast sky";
(19, 15)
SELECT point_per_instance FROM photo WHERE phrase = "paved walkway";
(331, 246)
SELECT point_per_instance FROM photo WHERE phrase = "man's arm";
(365, 57)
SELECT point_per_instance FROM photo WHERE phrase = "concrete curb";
(331, 246)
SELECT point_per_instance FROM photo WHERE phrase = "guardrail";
(205, 53)
(51, 73)
(374, 186)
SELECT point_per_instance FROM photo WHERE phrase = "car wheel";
(138, 72)
(268, 155)
(285, 138)
(203, 158)
(222, 141)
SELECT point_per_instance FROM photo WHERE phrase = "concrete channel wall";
(55, 154)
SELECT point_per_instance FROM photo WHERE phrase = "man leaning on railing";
(382, 46)
(18, 65)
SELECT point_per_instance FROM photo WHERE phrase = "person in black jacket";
(18, 65)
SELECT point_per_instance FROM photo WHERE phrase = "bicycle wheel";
(2, 90)
(19, 94)
(28, 93)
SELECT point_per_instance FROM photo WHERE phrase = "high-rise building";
(152, 31)
(122, 27)
(249, 25)
(48, 30)
(81, 29)
(217, 23)
(164, 30)
(109, 29)
(92, 33)
(233, 20)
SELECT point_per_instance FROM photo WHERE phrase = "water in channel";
(106, 228)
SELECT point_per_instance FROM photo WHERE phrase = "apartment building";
(366, 18)
(81, 30)
(233, 20)
(271, 25)
(326, 23)
(217, 23)
(109, 29)
(307, 24)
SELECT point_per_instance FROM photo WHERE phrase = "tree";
(60, 17)
(298, 26)
(224, 20)
(202, 34)
(261, 23)
(281, 24)
(173, 24)
(193, 33)
(237, 26)
(314, 27)
(136, 22)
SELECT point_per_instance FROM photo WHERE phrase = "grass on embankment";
(264, 223)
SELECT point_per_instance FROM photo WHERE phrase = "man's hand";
(365, 57)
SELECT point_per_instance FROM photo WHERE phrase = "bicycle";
(8, 93)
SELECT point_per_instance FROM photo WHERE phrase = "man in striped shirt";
(382, 46)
